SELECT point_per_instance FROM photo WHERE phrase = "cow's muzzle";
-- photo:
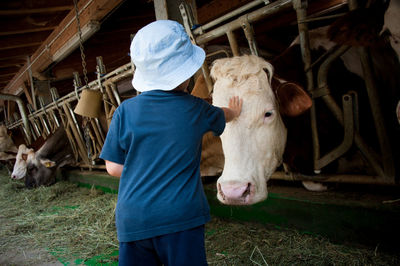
(235, 193)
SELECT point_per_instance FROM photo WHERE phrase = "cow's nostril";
(220, 191)
(247, 191)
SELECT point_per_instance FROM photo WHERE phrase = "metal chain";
(87, 139)
(86, 120)
(81, 44)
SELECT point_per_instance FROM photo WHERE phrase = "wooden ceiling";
(29, 29)
(28, 26)
(24, 25)
(37, 29)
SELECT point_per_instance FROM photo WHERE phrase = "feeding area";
(66, 224)
(307, 175)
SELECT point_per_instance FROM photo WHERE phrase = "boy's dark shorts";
(181, 248)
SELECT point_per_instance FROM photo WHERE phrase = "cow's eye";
(268, 114)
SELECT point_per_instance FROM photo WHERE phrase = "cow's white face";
(253, 144)
(19, 170)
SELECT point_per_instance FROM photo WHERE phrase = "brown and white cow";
(19, 170)
(39, 168)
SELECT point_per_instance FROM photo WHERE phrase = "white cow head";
(253, 143)
(19, 170)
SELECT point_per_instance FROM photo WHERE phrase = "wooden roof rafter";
(90, 10)
(35, 10)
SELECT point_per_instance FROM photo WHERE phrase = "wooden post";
(161, 10)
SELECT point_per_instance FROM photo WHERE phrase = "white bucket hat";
(164, 56)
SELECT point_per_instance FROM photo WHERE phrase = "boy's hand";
(234, 108)
(235, 104)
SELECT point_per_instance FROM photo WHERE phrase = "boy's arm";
(114, 169)
(234, 109)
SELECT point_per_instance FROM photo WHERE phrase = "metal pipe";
(376, 109)
(348, 135)
(44, 124)
(36, 131)
(53, 114)
(75, 130)
(207, 78)
(334, 178)
(77, 84)
(72, 141)
(229, 15)
(323, 82)
(110, 94)
(251, 17)
(119, 73)
(100, 67)
(31, 81)
(96, 130)
(115, 93)
(233, 43)
(100, 129)
(338, 114)
(323, 18)
(249, 33)
(301, 12)
(22, 111)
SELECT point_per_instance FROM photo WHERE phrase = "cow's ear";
(200, 88)
(47, 163)
(24, 156)
(293, 100)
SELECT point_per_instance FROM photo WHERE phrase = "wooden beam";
(21, 45)
(8, 74)
(11, 69)
(27, 30)
(217, 8)
(27, 94)
(34, 10)
(25, 4)
(23, 40)
(95, 10)
(4, 81)
(12, 62)
(17, 53)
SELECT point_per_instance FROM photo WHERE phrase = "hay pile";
(76, 225)
(72, 223)
(243, 243)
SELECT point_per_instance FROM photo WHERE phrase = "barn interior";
(54, 52)
(48, 59)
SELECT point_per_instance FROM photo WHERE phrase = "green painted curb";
(340, 222)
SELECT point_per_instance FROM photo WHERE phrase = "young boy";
(154, 145)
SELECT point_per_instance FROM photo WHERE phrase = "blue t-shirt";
(157, 137)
